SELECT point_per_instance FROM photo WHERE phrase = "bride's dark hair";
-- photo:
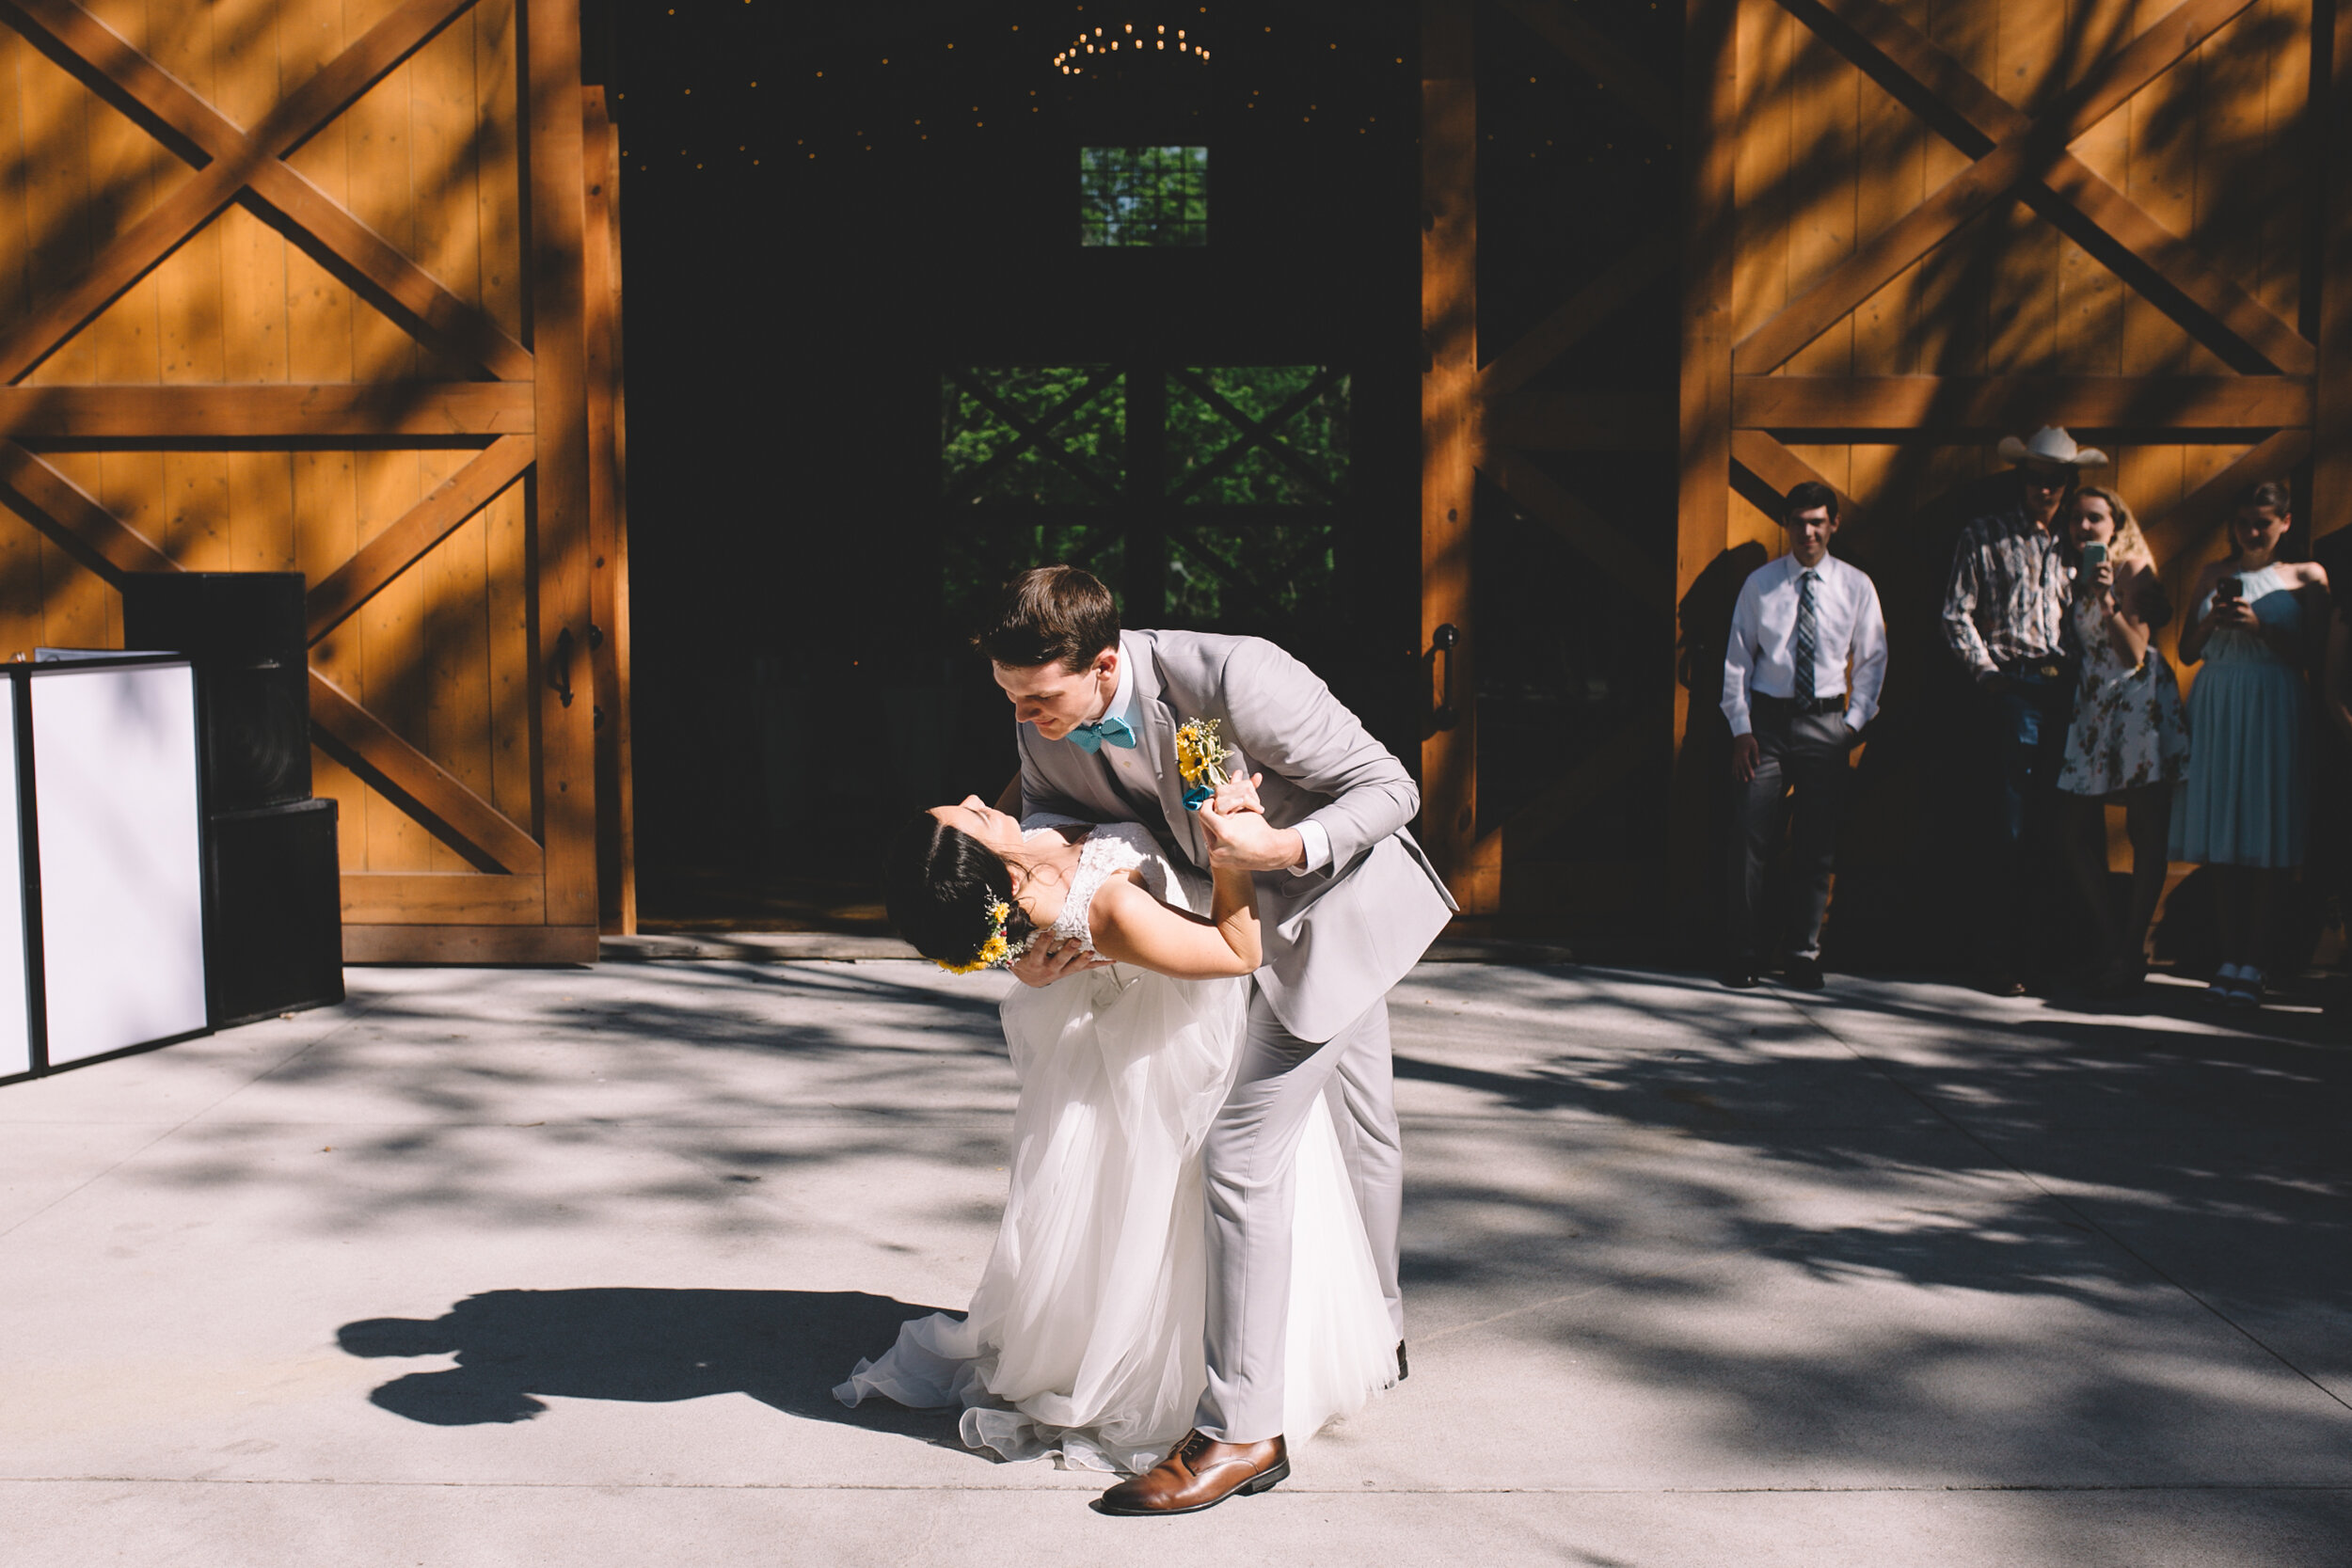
(940, 882)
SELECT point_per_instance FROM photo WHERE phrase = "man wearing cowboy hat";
(2005, 617)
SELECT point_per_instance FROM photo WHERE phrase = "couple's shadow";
(786, 1349)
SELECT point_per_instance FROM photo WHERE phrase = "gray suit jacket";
(1335, 940)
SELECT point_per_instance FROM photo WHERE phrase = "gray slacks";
(1804, 754)
(1248, 1163)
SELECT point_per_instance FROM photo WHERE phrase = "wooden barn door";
(1940, 224)
(299, 285)
(1917, 226)
(1906, 229)
(1547, 251)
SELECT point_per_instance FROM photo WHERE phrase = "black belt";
(1809, 706)
(2048, 667)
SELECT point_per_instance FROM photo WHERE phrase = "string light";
(1071, 60)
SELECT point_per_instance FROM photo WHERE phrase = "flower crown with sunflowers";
(998, 949)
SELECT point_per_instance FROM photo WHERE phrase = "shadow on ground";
(784, 1348)
(1891, 1230)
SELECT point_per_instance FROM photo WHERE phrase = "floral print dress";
(2129, 729)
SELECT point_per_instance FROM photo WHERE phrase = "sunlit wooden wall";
(1905, 228)
(1953, 221)
(349, 367)
(2149, 282)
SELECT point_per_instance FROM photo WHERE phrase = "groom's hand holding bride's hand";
(1240, 837)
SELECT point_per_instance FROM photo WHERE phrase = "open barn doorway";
(913, 307)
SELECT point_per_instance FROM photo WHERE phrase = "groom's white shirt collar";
(1123, 705)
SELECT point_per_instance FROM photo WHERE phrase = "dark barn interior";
(831, 210)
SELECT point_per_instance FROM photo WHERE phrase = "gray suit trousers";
(1248, 1163)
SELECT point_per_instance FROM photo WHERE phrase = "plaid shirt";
(2009, 593)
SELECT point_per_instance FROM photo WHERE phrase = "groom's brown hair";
(1051, 615)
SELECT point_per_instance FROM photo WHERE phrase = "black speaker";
(246, 633)
(274, 935)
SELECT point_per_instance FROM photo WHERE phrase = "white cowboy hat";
(2050, 445)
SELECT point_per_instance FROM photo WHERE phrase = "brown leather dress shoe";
(1198, 1473)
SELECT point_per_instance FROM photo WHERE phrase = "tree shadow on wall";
(1702, 781)
(786, 1349)
(1917, 819)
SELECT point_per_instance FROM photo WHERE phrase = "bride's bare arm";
(1133, 928)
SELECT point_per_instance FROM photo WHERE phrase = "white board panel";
(16, 1050)
(116, 811)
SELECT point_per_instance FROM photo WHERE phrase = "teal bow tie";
(1090, 738)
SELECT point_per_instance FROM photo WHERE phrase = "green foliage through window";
(1150, 196)
(1261, 572)
(1039, 463)
(1273, 434)
(1236, 434)
(1054, 433)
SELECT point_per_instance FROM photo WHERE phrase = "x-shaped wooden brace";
(1035, 434)
(1652, 102)
(436, 797)
(1537, 493)
(1255, 435)
(1248, 587)
(232, 162)
(2025, 155)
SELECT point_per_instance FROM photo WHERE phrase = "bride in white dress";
(1084, 1338)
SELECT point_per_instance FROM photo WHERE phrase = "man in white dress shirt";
(1803, 623)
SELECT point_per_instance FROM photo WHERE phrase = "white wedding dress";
(1083, 1338)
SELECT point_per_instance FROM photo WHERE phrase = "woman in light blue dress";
(2245, 805)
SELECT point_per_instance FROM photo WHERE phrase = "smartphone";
(2228, 589)
(2094, 554)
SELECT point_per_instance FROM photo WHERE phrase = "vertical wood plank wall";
(1449, 426)
(2148, 284)
(608, 543)
(1911, 227)
(2012, 312)
(399, 474)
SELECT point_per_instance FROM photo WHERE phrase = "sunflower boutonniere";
(1201, 760)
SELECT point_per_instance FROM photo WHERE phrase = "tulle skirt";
(1083, 1338)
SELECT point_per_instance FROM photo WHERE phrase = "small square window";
(1143, 195)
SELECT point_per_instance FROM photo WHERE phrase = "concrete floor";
(556, 1267)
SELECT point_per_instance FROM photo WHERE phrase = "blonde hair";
(2129, 544)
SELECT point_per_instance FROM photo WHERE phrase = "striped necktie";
(1801, 654)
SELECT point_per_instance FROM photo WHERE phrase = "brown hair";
(1051, 615)
(2276, 494)
(940, 884)
(1805, 497)
(2129, 544)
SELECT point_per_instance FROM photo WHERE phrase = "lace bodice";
(1114, 850)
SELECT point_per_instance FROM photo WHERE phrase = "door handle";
(1441, 645)
(559, 667)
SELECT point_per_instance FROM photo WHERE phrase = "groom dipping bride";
(1199, 1253)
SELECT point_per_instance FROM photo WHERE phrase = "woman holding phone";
(2244, 806)
(2129, 741)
